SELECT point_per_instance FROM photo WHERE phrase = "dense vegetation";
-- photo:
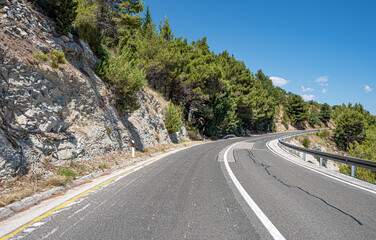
(356, 133)
(216, 93)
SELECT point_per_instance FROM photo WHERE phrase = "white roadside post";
(133, 148)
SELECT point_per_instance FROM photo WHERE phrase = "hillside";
(53, 115)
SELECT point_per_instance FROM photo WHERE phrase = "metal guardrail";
(358, 162)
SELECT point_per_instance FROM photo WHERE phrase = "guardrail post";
(353, 170)
(294, 152)
(321, 161)
(304, 156)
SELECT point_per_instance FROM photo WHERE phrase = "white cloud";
(308, 97)
(323, 80)
(307, 89)
(324, 90)
(367, 89)
(278, 82)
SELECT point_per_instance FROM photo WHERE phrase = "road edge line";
(251, 203)
(318, 171)
(134, 169)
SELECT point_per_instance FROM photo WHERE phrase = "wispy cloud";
(307, 97)
(367, 89)
(323, 80)
(278, 82)
(324, 91)
(307, 89)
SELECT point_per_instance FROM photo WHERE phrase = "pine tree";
(172, 120)
(147, 20)
(66, 13)
(325, 112)
(165, 30)
(296, 108)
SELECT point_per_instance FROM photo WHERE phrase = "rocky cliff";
(64, 113)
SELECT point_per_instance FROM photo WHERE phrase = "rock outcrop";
(65, 113)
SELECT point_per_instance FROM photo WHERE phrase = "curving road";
(190, 194)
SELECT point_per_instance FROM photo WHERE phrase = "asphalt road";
(190, 194)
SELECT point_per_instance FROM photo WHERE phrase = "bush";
(172, 120)
(306, 142)
(66, 172)
(126, 78)
(55, 56)
(91, 35)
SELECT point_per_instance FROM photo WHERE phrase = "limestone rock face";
(61, 114)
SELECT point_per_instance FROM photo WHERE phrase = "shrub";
(55, 56)
(91, 35)
(66, 172)
(172, 120)
(126, 78)
(59, 180)
(306, 142)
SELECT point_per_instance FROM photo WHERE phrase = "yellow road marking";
(79, 196)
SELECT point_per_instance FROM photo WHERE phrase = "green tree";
(350, 127)
(172, 119)
(66, 12)
(325, 113)
(122, 72)
(147, 20)
(165, 30)
(296, 109)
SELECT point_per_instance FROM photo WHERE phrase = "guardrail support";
(353, 170)
(320, 161)
(304, 156)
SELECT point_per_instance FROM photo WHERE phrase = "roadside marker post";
(133, 148)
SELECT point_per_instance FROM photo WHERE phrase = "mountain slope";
(65, 113)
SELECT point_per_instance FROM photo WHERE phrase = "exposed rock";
(42, 46)
(4, 2)
(65, 113)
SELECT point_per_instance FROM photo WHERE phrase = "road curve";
(190, 194)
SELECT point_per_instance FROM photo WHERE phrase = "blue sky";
(322, 50)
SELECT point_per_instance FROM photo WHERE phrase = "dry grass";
(29, 184)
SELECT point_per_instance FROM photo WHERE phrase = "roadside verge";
(35, 208)
(360, 184)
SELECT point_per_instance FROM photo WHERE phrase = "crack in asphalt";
(266, 168)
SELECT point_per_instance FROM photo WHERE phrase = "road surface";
(190, 194)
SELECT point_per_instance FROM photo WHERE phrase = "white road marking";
(50, 233)
(263, 218)
(316, 171)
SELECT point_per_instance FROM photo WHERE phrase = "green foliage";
(54, 56)
(313, 117)
(296, 108)
(350, 126)
(325, 113)
(66, 172)
(324, 134)
(285, 120)
(306, 142)
(108, 130)
(66, 12)
(41, 57)
(172, 119)
(57, 56)
(126, 78)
